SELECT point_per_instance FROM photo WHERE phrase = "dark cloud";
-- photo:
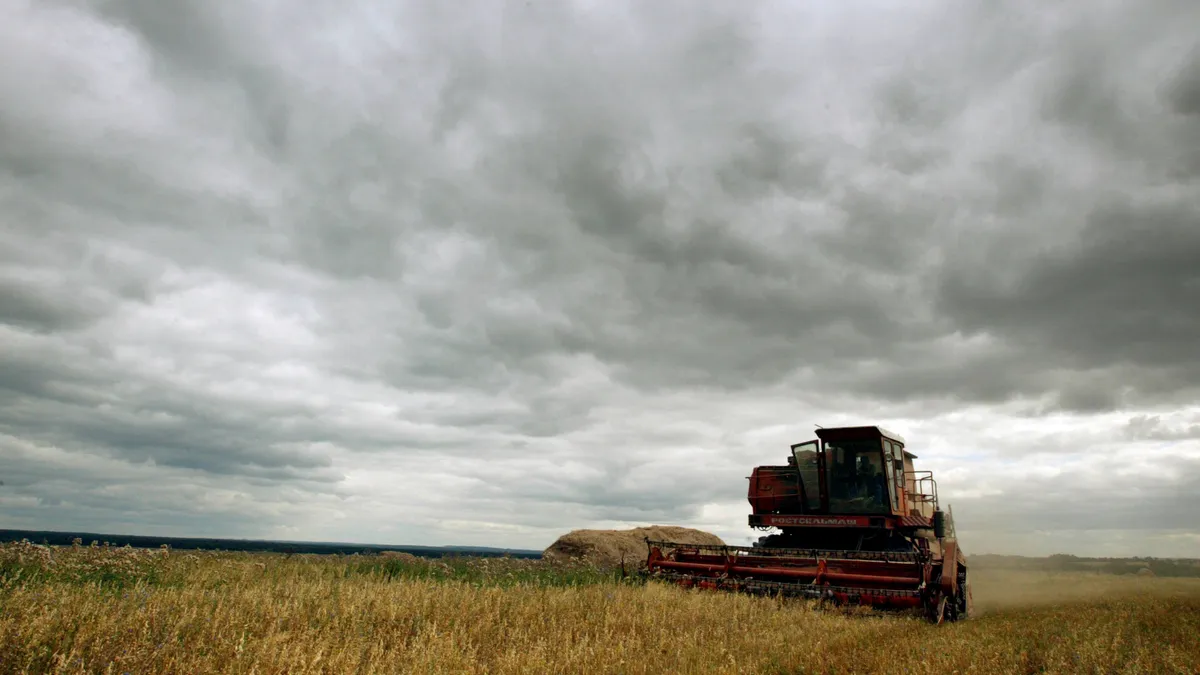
(1121, 299)
(496, 272)
(1183, 90)
(25, 305)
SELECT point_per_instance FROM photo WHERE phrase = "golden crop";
(109, 610)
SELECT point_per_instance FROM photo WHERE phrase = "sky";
(482, 273)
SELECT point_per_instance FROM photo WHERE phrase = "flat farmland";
(120, 610)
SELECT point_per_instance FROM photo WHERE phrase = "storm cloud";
(401, 273)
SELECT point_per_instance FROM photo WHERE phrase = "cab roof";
(861, 433)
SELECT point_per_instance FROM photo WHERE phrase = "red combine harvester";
(857, 525)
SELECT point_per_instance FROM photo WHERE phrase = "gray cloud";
(1071, 502)
(1154, 428)
(483, 275)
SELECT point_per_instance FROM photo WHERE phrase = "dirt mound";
(606, 547)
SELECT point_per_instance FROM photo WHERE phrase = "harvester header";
(856, 523)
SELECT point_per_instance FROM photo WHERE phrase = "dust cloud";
(998, 590)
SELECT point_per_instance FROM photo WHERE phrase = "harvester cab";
(856, 523)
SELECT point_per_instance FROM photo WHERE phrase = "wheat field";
(100, 609)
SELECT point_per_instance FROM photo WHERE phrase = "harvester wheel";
(939, 610)
(966, 604)
(944, 609)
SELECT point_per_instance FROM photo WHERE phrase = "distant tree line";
(251, 545)
(1063, 562)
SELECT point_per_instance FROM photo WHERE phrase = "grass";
(84, 609)
(481, 572)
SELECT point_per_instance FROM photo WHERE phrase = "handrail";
(924, 488)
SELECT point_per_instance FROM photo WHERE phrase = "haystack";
(606, 547)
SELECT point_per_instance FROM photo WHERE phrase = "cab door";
(893, 464)
(808, 467)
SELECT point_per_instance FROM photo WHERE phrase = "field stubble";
(84, 609)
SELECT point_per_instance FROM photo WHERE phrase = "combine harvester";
(858, 525)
